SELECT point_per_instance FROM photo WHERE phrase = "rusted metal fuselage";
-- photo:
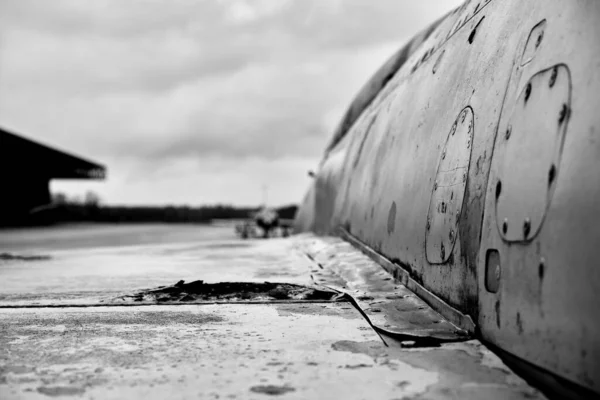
(469, 167)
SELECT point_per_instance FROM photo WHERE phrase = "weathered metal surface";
(388, 304)
(542, 304)
(449, 190)
(546, 308)
(233, 351)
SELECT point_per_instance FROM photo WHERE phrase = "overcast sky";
(190, 101)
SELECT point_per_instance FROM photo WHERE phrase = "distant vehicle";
(266, 223)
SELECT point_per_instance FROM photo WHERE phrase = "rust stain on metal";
(391, 222)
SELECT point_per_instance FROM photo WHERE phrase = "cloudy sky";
(190, 101)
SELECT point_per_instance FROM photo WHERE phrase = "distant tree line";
(90, 209)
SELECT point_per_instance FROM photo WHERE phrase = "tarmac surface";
(64, 333)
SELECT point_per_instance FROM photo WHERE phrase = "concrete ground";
(61, 335)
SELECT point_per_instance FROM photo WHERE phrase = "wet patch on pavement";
(271, 390)
(228, 291)
(21, 257)
(467, 370)
(311, 309)
(59, 391)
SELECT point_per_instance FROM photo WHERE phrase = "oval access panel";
(449, 190)
(530, 148)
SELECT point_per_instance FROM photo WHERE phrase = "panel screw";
(551, 174)
(553, 76)
(497, 272)
(505, 225)
(526, 227)
(563, 114)
(539, 39)
(527, 92)
(508, 132)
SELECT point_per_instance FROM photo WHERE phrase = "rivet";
(435, 185)
(468, 144)
(428, 224)
(563, 114)
(444, 154)
(539, 39)
(527, 92)
(464, 177)
(553, 76)
(526, 227)
(463, 116)
(505, 225)
(453, 129)
(451, 235)
(508, 132)
(551, 174)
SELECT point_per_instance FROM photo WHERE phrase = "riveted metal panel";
(449, 189)
(529, 153)
(543, 305)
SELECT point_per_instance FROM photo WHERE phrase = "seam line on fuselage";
(453, 315)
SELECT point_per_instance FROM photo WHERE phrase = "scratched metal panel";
(449, 190)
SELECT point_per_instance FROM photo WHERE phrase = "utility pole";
(265, 190)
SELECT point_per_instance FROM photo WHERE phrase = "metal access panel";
(530, 151)
(449, 189)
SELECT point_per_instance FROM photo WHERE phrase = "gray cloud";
(151, 83)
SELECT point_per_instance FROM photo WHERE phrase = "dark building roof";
(22, 156)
